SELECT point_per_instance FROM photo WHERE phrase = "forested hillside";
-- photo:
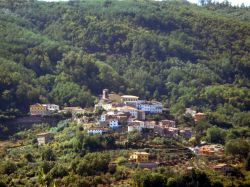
(180, 53)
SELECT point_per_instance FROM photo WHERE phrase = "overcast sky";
(233, 2)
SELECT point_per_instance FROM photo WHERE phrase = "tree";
(147, 179)
(58, 171)
(48, 155)
(237, 147)
(202, 2)
(194, 178)
(216, 135)
(29, 157)
(247, 163)
(9, 167)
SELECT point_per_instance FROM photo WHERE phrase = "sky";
(233, 2)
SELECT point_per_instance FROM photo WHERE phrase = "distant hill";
(180, 53)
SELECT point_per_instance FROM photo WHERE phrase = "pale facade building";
(44, 138)
(140, 157)
(97, 130)
(150, 106)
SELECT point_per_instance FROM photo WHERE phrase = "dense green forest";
(176, 52)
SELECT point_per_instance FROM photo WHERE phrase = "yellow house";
(38, 110)
(140, 156)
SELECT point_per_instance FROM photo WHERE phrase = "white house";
(113, 123)
(150, 124)
(133, 111)
(103, 117)
(44, 138)
(136, 125)
(52, 107)
(150, 106)
(107, 106)
(97, 130)
(132, 128)
(43, 109)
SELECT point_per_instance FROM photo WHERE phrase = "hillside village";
(126, 114)
(131, 93)
(123, 113)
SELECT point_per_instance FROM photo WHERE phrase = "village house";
(133, 128)
(44, 138)
(223, 167)
(136, 125)
(149, 124)
(130, 100)
(211, 150)
(199, 116)
(167, 123)
(72, 110)
(186, 133)
(190, 111)
(107, 106)
(114, 118)
(97, 130)
(152, 107)
(52, 107)
(140, 157)
(38, 110)
(103, 116)
(141, 115)
(113, 123)
(123, 117)
(158, 129)
(43, 109)
(166, 131)
(128, 109)
(171, 132)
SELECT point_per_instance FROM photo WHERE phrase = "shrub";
(9, 167)
(48, 155)
(29, 157)
(47, 166)
(247, 163)
(238, 147)
(2, 184)
(58, 171)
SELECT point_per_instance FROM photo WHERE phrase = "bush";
(9, 167)
(238, 147)
(2, 184)
(216, 135)
(48, 155)
(58, 171)
(29, 157)
(47, 166)
(247, 163)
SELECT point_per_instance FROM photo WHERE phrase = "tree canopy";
(174, 51)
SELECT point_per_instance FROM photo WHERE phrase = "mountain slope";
(174, 51)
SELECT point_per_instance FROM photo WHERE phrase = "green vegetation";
(75, 158)
(176, 52)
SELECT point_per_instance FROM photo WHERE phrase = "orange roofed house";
(210, 150)
(199, 116)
